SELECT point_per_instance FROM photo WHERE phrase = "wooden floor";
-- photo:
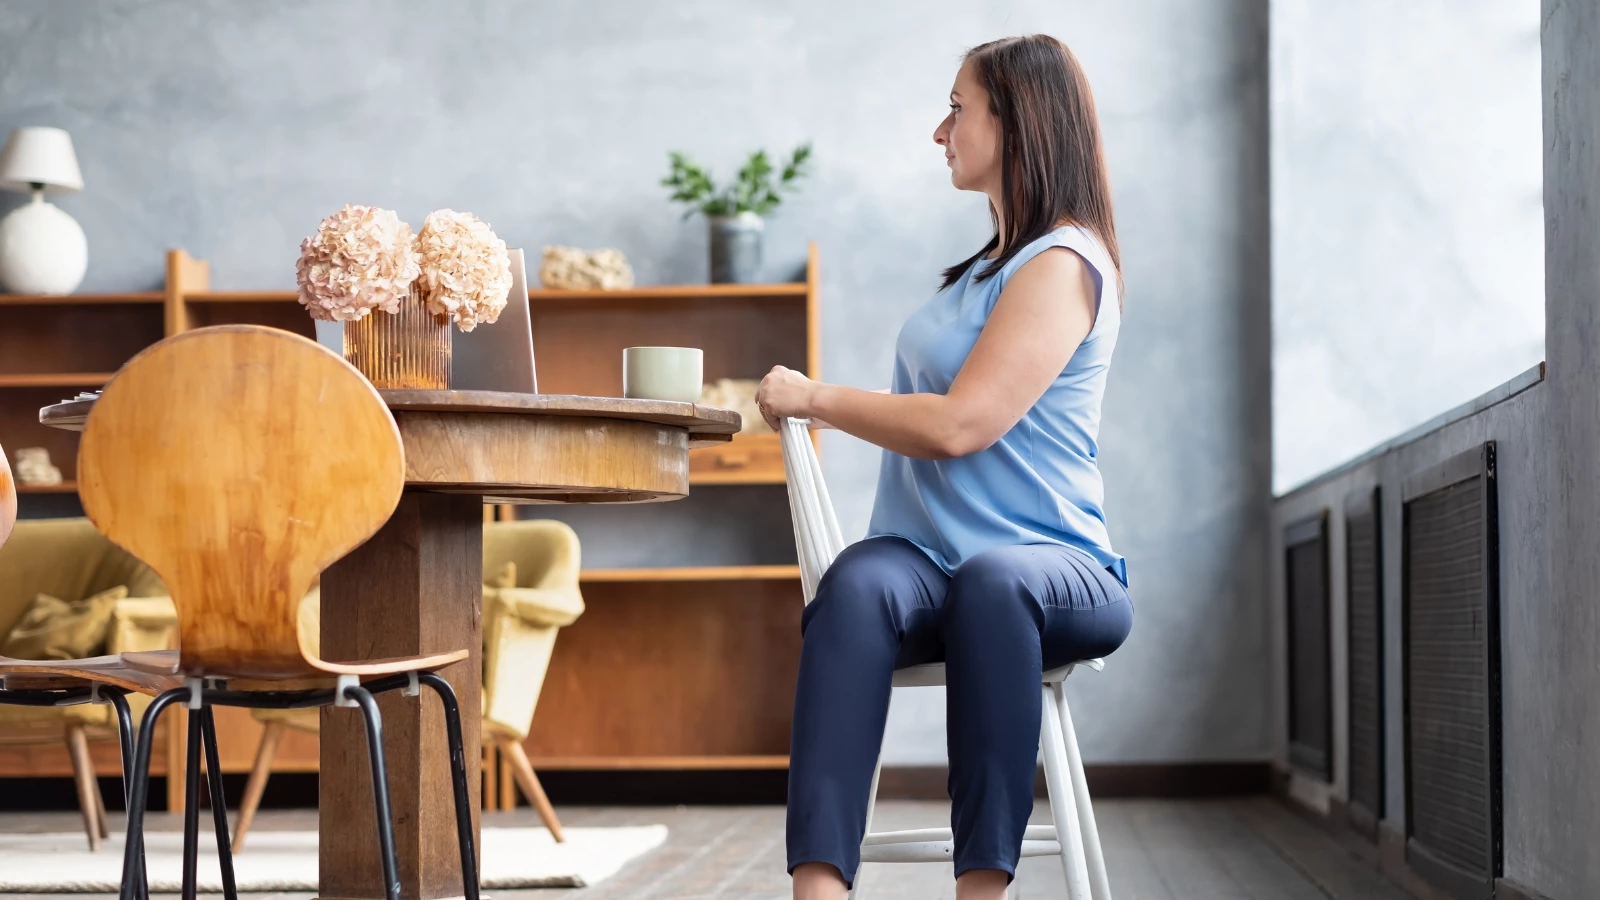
(1252, 849)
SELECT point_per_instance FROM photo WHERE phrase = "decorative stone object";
(739, 395)
(572, 269)
(34, 468)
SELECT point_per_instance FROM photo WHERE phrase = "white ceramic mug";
(662, 373)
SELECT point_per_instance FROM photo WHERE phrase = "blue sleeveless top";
(1039, 484)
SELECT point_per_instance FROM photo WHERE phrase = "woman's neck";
(998, 212)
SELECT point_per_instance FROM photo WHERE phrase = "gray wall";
(1565, 628)
(229, 129)
(1548, 443)
(1407, 248)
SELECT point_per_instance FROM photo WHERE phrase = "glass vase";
(406, 350)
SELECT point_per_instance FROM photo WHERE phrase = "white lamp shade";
(39, 156)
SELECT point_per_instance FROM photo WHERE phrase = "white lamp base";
(42, 250)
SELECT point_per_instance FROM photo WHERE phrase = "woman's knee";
(994, 584)
(860, 587)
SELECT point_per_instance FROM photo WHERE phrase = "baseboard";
(1208, 779)
(1506, 889)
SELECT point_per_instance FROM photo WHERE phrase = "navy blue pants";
(1004, 617)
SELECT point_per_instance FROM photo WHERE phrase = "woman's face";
(970, 136)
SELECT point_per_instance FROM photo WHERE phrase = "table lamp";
(42, 249)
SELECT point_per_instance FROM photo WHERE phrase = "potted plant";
(734, 213)
(398, 293)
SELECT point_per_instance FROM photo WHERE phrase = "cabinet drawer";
(750, 458)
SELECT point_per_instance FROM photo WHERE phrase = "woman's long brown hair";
(1052, 161)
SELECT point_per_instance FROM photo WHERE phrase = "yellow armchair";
(530, 570)
(70, 560)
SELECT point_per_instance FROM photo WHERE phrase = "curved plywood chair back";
(8, 499)
(239, 462)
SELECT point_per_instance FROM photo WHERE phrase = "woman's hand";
(784, 393)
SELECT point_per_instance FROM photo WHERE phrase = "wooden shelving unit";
(673, 668)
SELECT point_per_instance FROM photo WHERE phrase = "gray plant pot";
(736, 248)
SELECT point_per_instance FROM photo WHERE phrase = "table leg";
(414, 588)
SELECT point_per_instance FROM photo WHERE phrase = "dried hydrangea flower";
(361, 258)
(466, 272)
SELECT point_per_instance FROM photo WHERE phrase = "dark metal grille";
(1366, 667)
(1452, 679)
(1310, 681)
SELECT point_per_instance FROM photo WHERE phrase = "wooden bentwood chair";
(239, 462)
(101, 679)
(1074, 836)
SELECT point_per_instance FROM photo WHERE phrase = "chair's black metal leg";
(119, 702)
(138, 792)
(191, 808)
(458, 774)
(219, 805)
(380, 789)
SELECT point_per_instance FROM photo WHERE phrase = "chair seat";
(56, 674)
(166, 662)
(932, 674)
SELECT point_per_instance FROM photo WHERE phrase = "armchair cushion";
(69, 559)
(53, 628)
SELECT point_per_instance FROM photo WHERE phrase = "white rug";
(287, 860)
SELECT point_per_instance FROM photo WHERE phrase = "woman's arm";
(1044, 313)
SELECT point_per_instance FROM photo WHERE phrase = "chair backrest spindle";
(817, 536)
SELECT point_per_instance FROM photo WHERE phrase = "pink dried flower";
(360, 259)
(466, 272)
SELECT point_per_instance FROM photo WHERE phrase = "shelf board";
(79, 299)
(242, 297)
(56, 379)
(693, 573)
(675, 292)
(618, 763)
(65, 487)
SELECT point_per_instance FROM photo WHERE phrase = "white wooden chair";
(1074, 836)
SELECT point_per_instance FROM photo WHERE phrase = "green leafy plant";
(758, 188)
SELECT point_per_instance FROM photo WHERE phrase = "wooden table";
(415, 588)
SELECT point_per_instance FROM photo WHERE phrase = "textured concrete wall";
(230, 128)
(1562, 803)
(1406, 222)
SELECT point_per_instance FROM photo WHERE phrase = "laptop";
(496, 357)
(499, 357)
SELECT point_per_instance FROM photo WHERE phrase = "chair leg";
(458, 774)
(1062, 802)
(489, 763)
(101, 821)
(1099, 883)
(872, 805)
(119, 702)
(380, 789)
(133, 883)
(259, 773)
(83, 775)
(191, 807)
(531, 788)
(219, 802)
(508, 783)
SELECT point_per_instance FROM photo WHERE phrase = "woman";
(987, 548)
